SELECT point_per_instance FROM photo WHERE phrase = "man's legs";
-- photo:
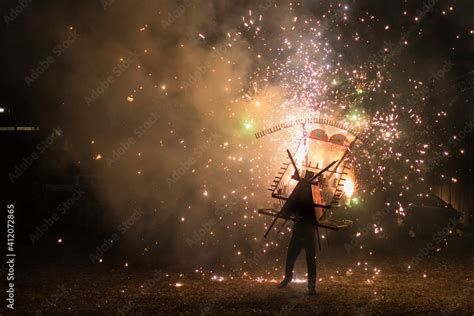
(310, 250)
(293, 251)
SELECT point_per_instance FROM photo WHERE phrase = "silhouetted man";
(303, 237)
(304, 232)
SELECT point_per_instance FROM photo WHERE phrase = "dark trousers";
(308, 242)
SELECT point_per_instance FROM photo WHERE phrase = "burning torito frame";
(324, 157)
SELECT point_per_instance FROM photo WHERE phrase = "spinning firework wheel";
(329, 143)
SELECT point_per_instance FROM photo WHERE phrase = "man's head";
(308, 175)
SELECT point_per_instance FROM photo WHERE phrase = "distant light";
(2, 110)
(60, 240)
(179, 284)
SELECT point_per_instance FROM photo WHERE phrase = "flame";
(349, 187)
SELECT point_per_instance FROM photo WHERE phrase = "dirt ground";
(384, 287)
